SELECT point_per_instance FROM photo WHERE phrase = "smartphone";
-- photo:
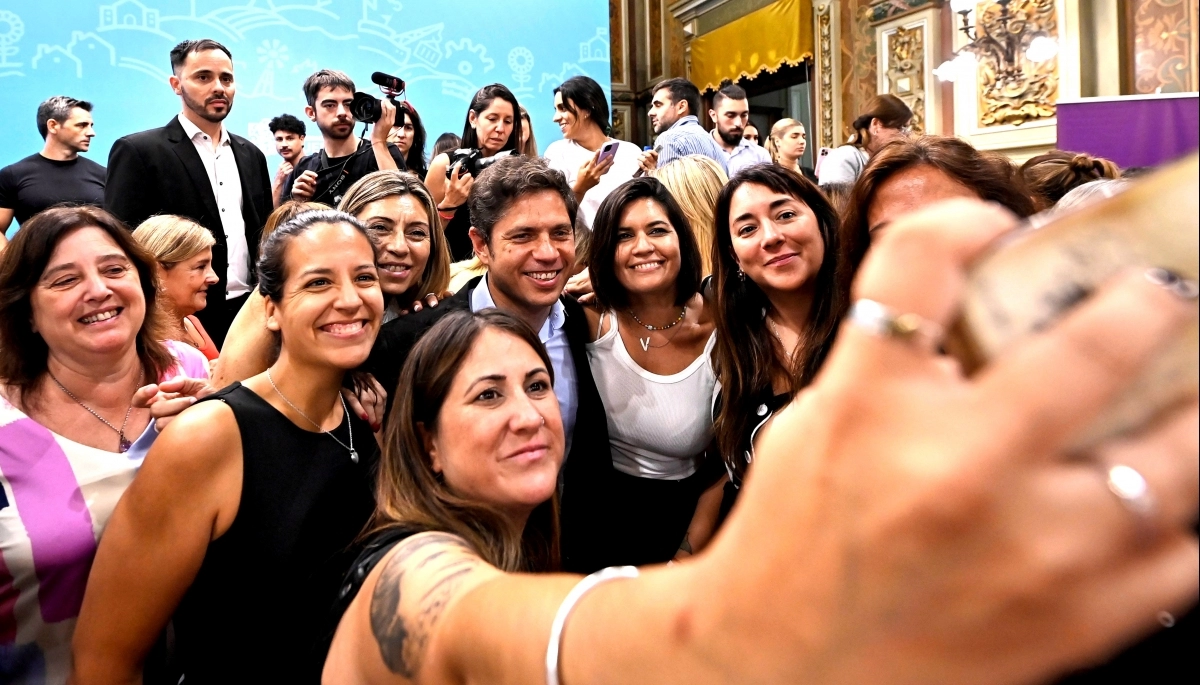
(1032, 278)
(607, 151)
(821, 155)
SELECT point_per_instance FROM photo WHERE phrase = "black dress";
(457, 237)
(260, 607)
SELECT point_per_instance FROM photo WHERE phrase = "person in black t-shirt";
(326, 175)
(57, 173)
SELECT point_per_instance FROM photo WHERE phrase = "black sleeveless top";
(259, 608)
(373, 551)
(457, 237)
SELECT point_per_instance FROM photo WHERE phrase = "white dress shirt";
(554, 337)
(746, 154)
(227, 189)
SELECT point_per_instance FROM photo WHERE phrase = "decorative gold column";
(825, 33)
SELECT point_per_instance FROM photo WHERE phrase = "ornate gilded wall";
(1164, 45)
(905, 71)
(1022, 90)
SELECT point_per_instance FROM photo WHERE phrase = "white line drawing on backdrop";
(11, 31)
(591, 51)
(273, 55)
(520, 60)
(131, 15)
(235, 21)
(79, 39)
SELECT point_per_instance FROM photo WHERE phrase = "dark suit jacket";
(159, 172)
(585, 528)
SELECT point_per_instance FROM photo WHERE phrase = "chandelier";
(1002, 40)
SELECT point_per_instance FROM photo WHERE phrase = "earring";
(741, 275)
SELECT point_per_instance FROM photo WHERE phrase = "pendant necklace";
(123, 443)
(646, 340)
(349, 426)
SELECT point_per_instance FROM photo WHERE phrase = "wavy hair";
(1051, 175)
(410, 493)
(747, 357)
(695, 181)
(379, 185)
(23, 352)
(172, 239)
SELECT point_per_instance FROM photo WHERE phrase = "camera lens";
(365, 108)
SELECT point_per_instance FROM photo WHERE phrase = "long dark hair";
(991, 176)
(746, 357)
(23, 352)
(482, 100)
(415, 159)
(583, 93)
(603, 249)
(410, 494)
(888, 109)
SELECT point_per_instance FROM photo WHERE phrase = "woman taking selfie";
(413, 262)
(246, 507)
(848, 560)
(651, 339)
(493, 125)
(183, 249)
(82, 337)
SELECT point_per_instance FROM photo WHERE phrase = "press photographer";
(335, 107)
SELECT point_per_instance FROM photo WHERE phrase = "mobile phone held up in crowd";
(607, 152)
(1032, 278)
(642, 172)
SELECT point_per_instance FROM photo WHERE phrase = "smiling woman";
(183, 249)
(80, 333)
(277, 474)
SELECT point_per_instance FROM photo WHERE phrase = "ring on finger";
(883, 321)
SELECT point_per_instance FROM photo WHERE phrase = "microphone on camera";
(387, 81)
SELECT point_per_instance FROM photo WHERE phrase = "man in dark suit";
(524, 217)
(194, 167)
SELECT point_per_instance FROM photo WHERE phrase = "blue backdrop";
(115, 54)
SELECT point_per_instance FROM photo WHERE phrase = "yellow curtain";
(780, 33)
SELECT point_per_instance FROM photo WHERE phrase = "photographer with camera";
(492, 131)
(332, 103)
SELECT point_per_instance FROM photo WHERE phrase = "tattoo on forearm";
(403, 632)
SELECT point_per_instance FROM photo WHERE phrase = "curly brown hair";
(1051, 175)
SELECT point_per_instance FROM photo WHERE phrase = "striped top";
(56, 496)
(688, 137)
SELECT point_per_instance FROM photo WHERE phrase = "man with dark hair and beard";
(194, 167)
(731, 113)
(326, 175)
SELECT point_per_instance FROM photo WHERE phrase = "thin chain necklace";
(349, 426)
(646, 340)
(775, 332)
(123, 443)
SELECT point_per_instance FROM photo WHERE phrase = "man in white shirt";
(194, 167)
(731, 112)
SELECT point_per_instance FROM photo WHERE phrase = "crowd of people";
(602, 415)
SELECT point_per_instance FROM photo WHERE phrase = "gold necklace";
(646, 340)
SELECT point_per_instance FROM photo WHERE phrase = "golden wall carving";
(906, 71)
(825, 71)
(654, 25)
(1164, 45)
(859, 78)
(1024, 90)
(616, 33)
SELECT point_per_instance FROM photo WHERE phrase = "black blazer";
(584, 526)
(159, 172)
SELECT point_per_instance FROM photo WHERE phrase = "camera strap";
(343, 171)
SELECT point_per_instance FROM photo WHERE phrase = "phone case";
(1030, 279)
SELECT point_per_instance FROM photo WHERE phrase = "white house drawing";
(128, 14)
(595, 49)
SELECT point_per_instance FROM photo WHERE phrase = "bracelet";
(568, 604)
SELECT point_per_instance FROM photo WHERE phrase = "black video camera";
(473, 160)
(367, 108)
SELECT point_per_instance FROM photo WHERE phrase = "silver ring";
(883, 321)
(1132, 490)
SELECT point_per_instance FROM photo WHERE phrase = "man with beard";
(289, 133)
(731, 112)
(673, 111)
(194, 167)
(57, 173)
(326, 175)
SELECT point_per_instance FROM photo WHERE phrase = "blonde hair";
(695, 181)
(530, 148)
(172, 239)
(378, 185)
(285, 213)
(780, 128)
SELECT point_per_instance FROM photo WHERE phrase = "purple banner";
(1138, 130)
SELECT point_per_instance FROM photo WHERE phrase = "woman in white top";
(581, 111)
(652, 336)
(884, 119)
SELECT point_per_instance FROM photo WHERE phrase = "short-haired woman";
(82, 335)
(695, 181)
(414, 262)
(183, 249)
(493, 125)
(245, 509)
(909, 175)
(651, 339)
(778, 303)
(884, 119)
(581, 112)
(786, 143)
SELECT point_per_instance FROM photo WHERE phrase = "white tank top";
(658, 426)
